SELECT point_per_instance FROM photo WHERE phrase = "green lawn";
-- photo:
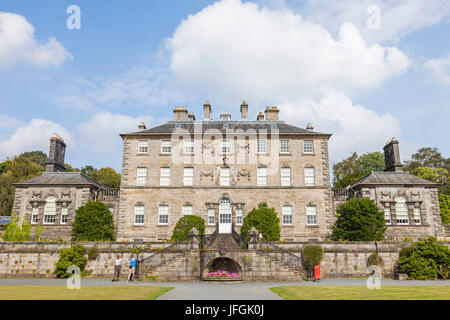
(85, 293)
(363, 293)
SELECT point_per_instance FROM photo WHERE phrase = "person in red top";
(317, 272)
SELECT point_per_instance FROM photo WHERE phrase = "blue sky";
(134, 61)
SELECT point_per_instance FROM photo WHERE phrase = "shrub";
(92, 253)
(70, 256)
(312, 253)
(264, 219)
(374, 260)
(444, 204)
(185, 224)
(359, 220)
(93, 222)
(427, 259)
(14, 232)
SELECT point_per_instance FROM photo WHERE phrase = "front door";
(224, 216)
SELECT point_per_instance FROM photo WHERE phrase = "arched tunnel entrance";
(223, 263)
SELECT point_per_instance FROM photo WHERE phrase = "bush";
(374, 260)
(264, 219)
(427, 259)
(185, 224)
(313, 254)
(14, 232)
(444, 204)
(359, 220)
(68, 257)
(92, 253)
(93, 222)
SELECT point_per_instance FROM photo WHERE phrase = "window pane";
(309, 176)
(401, 211)
(50, 210)
(164, 179)
(35, 215)
(417, 218)
(239, 218)
(143, 146)
(189, 147)
(285, 177)
(141, 179)
(285, 146)
(308, 146)
(262, 146)
(163, 215)
(226, 146)
(225, 176)
(64, 215)
(188, 178)
(187, 210)
(165, 146)
(211, 219)
(311, 215)
(261, 178)
(139, 214)
(287, 214)
(387, 215)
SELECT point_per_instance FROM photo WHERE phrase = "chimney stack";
(272, 113)
(244, 110)
(142, 126)
(392, 156)
(191, 117)
(180, 113)
(309, 127)
(55, 161)
(207, 110)
(260, 116)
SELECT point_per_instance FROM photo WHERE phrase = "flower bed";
(222, 275)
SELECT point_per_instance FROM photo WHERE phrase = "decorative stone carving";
(415, 194)
(65, 194)
(385, 194)
(37, 195)
(206, 174)
(244, 173)
(208, 146)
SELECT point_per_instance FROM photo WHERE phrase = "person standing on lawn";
(317, 272)
(117, 268)
(132, 267)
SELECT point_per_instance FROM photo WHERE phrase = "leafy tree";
(436, 175)
(93, 222)
(355, 167)
(88, 170)
(68, 257)
(444, 204)
(313, 254)
(427, 259)
(359, 220)
(427, 157)
(185, 225)
(264, 219)
(37, 157)
(107, 176)
(14, 232)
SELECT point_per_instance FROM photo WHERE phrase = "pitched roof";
(394, 178)
(222, 126)
(62, 178)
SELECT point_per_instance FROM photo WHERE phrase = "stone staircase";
(225, 242)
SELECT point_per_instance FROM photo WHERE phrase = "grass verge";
(363, 293)
(85, 293)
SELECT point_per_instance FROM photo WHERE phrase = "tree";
(264, 219)
(107, 176)
(355, 167)
(436, 175)
(73, 256)
(427, 259)
(37, 157)
(185, 225)
(427, 157)
(359, 220)
(93, 222)
(444, 204)
(14, 232)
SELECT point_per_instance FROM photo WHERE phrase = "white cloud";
(354, 127)
(140, 86)
(33, 136)
(439, 69)
(100, 133)
(237, 49)
(398, 18)
(18, 45)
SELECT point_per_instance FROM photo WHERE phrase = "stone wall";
(341, 259)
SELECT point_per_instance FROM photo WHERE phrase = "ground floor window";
(401, 211)
(387, 215)
(287, 215)
(139, 215)
(163, 215)
(64, 214)
(239, 217)
(211, 218)
(35, 215)
(311, 215)
(417, 219)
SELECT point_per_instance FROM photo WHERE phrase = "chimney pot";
(142, 126)
(180, 113)
(56, 154)
(260, 116)
(207, 110)
(392, 156)
(272, 113)
(244, 110)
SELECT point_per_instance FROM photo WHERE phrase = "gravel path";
(220, 291)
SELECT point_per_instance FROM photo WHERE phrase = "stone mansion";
(220, 170)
